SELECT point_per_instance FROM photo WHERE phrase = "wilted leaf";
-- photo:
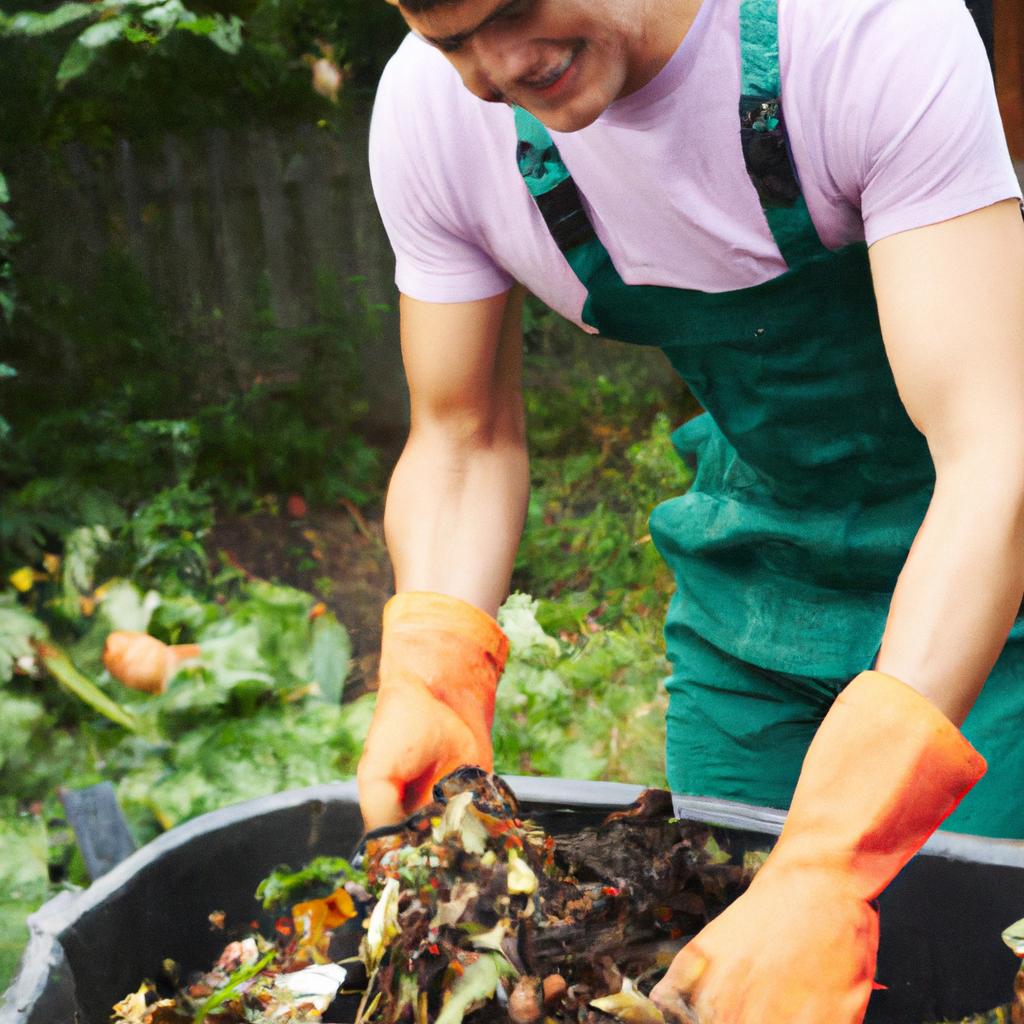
(459, 820)
(714, 852)
(492, 938)
(230, 988)
(630, 1006)
(480, 982)
(318, 984)
(1014, 937)
(449, 911)
(521, 878)
(282, 883)
(383, 925)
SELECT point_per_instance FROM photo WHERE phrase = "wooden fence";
(222, 226)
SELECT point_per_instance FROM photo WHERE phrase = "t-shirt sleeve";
(435, 259)
(911, 115)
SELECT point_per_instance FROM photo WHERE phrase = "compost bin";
(941, 956)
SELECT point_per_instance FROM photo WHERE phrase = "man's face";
(564, 61)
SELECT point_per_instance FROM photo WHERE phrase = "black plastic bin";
(941, 952)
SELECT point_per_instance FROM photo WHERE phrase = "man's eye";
(514, 10)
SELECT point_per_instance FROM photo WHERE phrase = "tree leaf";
(75, 62)
(104, 32)
(5, 192)
(198, 26)
(227, 36)
(167, 16)
(29, 23)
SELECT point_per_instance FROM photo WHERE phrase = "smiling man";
(809, 207)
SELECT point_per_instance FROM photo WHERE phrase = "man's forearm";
(961, 587)
(455, 513)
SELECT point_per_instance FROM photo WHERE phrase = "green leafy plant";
(110, 21)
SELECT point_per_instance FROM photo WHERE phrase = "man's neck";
(663, 26)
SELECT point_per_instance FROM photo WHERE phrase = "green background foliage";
(127, 433)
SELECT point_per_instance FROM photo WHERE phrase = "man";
(811, 210)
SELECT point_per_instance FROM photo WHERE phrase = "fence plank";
(1009, 40)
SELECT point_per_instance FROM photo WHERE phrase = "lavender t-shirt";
(892, 120)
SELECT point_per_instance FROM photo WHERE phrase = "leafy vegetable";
(324, 873)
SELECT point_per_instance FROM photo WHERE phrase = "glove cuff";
(427, 612)
(885, 769)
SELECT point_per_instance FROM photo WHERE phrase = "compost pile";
(468, 911)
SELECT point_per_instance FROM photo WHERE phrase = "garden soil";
(338, 554)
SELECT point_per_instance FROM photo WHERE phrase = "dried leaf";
(383, 925)
(493, 938)
(1014, 937)
(521, 878)
(630, 1006)
(460, 820)
(479, 983)
(451, 910)
(318, 984)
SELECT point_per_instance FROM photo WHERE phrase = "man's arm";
(951, 302)
(457, 500)
(455, 511)
(887, 766)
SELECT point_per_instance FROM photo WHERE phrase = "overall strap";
(763, 135)
(555, 193)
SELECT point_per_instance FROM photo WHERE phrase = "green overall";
(810, 484)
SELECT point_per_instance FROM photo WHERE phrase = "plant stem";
(59, 665)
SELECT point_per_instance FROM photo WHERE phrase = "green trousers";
(740, 733)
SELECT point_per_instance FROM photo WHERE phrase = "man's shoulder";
(419, 78)
(853, 23)
(422, 102)
(416, 64)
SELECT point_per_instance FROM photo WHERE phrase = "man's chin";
(566, 119)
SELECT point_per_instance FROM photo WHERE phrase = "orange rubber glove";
(885, 768)
(439, 667)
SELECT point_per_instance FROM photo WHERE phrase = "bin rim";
(44, 952)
